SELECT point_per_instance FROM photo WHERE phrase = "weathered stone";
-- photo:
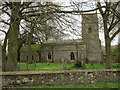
(18, 82)
(60, 77)
(25, 80)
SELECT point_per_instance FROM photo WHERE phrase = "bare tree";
(17, 11)
(110, 18)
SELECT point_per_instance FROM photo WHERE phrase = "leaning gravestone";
(0, 67)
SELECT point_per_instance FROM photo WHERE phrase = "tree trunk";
(108, 54)
(4, 56)
(13, 38)
(107, 43)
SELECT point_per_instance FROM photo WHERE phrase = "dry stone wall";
(59, 77)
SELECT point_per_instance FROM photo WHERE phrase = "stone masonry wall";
(62, 51)
(90, 34)
(59, 77)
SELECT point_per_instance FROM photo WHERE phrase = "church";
(87, 49)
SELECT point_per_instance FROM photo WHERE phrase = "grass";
(58, 66)
(43, 66)
(93, 85)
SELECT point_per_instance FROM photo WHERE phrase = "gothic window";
(90, 30)
(72, 56)
(49, 56)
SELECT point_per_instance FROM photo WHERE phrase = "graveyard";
(59, 44)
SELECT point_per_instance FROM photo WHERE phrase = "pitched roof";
(63, 41)
(34, 47)
(37, 47)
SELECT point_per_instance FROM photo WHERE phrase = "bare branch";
(25, 5)
(5, 22)
(115, 34)
(6, 12)
(100, 9)
(113, 24)
(60, 11)
(3, 31)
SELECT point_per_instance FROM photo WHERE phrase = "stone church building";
(88, 49)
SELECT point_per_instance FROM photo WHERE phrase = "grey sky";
(66, 2)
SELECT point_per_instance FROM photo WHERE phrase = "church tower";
(90, 35)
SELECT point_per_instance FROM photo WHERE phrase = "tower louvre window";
(90, 30)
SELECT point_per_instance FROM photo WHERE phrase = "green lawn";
(58, 66)
(93, 85)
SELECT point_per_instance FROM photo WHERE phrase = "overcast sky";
(66, 2)
(101, 34)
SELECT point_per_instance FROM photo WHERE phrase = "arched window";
(90, 30)
(49, 56)
(72, 56)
